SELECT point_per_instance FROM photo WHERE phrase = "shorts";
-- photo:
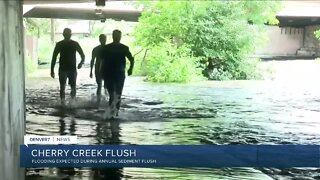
(71, 75)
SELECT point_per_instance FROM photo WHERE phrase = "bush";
(249, 69)
(217, 74)
(167, 63)
(45, 49)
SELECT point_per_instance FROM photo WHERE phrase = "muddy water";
(233, 112)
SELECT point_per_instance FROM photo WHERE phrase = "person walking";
(67, 49)
(113, 70)
(96, 55)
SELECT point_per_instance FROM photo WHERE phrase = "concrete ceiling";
(80, 9)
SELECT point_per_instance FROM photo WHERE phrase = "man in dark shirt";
(113, 70)
(67, 49)
(96, 54)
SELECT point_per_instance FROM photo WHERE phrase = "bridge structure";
(82, 10)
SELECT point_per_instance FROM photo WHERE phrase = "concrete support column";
(12, 107)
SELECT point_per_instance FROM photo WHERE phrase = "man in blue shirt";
(113, 70)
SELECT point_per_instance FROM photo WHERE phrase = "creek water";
(279, 111)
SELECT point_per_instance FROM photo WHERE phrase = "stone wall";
(12, 108)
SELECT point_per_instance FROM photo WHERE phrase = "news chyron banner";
(63, 151)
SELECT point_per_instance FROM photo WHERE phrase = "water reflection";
(65, 130)
(108, 132)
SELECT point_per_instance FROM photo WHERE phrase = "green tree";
(261, 12)
(216, 31)
(38, 26)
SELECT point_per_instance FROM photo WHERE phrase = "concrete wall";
(282, 41)
(291, 41)
(12, 109)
